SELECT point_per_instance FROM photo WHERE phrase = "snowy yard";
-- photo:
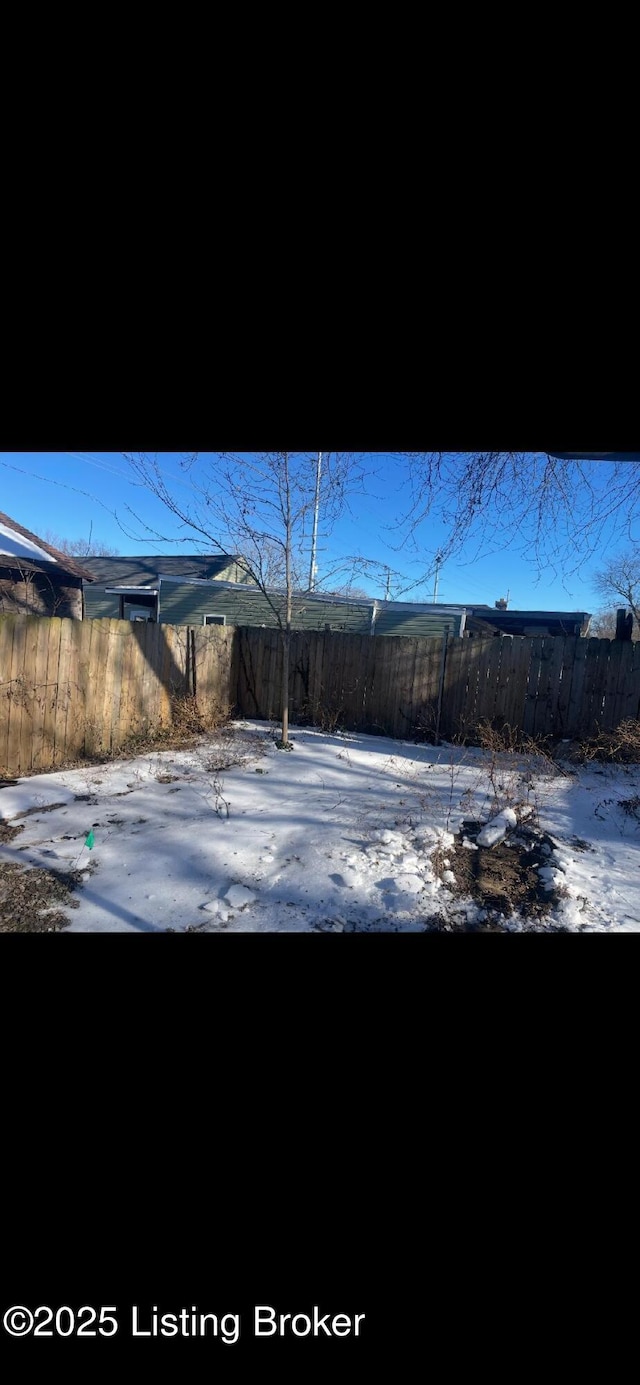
(345, 833)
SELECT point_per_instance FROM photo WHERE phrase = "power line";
(127, 475)
(49, 481)
(102, 466)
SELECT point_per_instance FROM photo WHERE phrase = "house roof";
(135, 571)
(20, 544)
(502, 615)
(557, 622)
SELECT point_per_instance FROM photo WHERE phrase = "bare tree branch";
(259, 508)
(80, 548)
(620, 578)
(556, 512)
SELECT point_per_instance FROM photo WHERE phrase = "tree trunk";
(286, 639)
(286, 633)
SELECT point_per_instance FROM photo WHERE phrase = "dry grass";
(621, 746)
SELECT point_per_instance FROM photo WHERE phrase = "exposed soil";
(503, 880)
(7, 832)
(28, 897)
(44, 808)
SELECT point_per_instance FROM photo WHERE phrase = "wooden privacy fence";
(80, 688)
(546, 686)
(72, 689)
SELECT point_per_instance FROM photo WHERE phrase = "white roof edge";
(15, 545)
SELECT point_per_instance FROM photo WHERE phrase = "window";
(214, 620)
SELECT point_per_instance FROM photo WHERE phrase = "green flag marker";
(89, 840)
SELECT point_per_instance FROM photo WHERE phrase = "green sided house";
(177, 590)
(127, 588)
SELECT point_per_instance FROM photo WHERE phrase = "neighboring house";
(36, 579)
(195, 590)
(227, 603)
(131, 575)
(181, 599)
(506, 622)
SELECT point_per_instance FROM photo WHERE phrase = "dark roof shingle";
(136, 571)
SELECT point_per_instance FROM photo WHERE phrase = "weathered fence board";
(621, 710)
(578, 675)
(16, 680)
(39, 755)
(518, 681)
(454, 688)
(6, 650)
(51, 701)
(425, 687)
(73, 689)
(70, 689)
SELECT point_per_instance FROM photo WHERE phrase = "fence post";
(192, 639)
(624, 624)
(443, 665)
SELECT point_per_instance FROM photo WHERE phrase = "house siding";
(187, 603)
(416, 624)
(100, 604)
(182, 604)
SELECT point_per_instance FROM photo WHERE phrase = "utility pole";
(314, 536)
(437, 578)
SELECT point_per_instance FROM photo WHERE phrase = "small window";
(214, 620)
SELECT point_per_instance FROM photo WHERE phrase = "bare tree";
(603, 625)
(557, 510)
(80, 548)
(347, 589)
(620, 578)
(259, 507)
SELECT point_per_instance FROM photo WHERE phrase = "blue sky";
(66, 492)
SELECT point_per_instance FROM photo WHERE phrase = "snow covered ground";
(346, 832)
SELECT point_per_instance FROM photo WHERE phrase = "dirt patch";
(502, 880)
(45, 808)
(28, 897)
(8, 833)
